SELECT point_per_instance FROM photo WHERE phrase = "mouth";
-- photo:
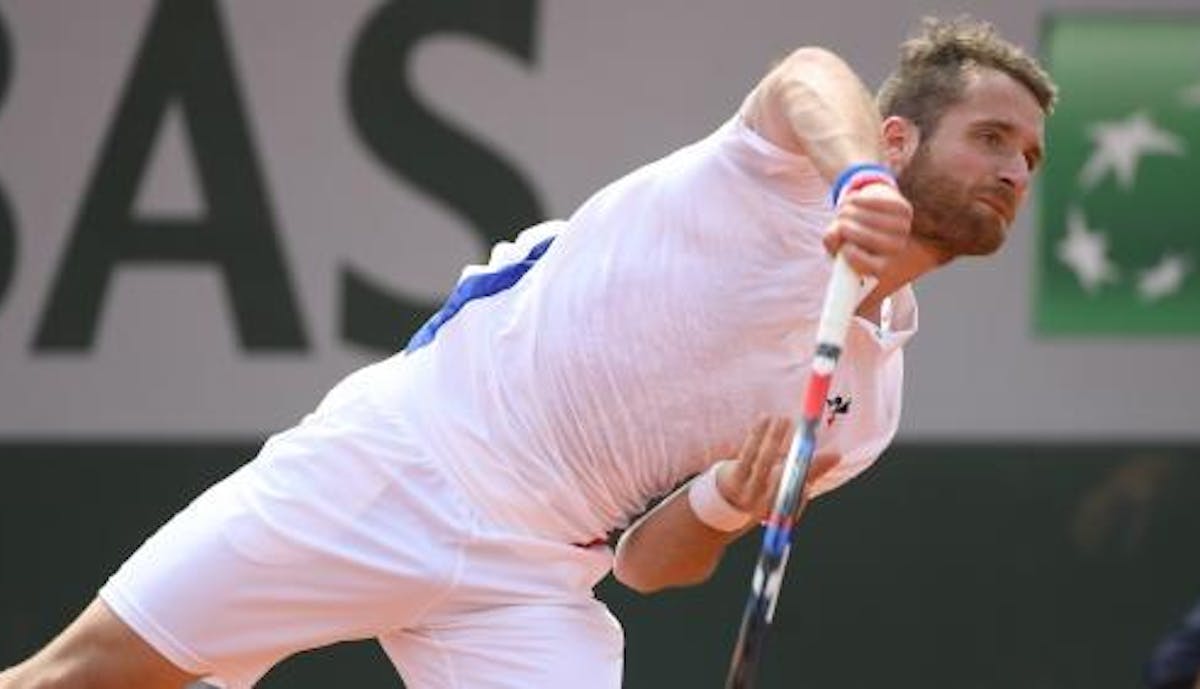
(999, 207)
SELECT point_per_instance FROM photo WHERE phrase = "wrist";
(857, 176)
(711, 507)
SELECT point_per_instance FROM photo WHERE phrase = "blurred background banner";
(211, 211)
(1120, 225)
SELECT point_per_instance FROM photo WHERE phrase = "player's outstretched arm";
(673, 545)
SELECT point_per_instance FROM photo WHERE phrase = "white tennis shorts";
(344, 529)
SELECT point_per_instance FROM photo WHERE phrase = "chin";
(973, 237)
(981, 236)
(982, 244)
(983, 249)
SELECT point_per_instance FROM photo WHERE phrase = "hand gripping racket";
(840, 301)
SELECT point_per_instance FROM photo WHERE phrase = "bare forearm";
(669, 547)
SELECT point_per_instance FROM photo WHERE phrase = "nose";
(1016, 174)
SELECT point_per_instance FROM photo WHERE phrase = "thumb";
(833, 240)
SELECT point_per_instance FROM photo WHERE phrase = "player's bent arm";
(812, 103)
(669, 546)
(681, 541)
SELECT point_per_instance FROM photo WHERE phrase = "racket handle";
(841, 298)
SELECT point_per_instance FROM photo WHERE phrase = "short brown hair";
(931, 75)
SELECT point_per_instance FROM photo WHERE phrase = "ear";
(900, 140)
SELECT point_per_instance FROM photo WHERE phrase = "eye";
(991, 138)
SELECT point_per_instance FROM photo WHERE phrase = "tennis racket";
(840, 300)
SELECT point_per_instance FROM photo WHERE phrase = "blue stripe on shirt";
(477, 287)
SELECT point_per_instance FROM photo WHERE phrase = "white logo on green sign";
(1119, 248)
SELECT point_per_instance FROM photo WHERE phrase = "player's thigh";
(339, 529)
(225, 593)
(97, 650)
(578, 645)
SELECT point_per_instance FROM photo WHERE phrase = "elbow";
(805, 75)
(631, 580)
(815, 57)
(632, 576)
(649, 580)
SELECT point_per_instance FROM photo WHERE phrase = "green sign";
(1119, 244)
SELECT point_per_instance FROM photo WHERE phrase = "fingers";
(769, 465)
(832, 239)
(751, 481)
(862, 262)
(773, 450)
(871, 226)
(750, 447)
(877, 232)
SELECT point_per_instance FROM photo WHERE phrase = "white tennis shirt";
(671, 310)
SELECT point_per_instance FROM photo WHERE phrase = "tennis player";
(454, 501)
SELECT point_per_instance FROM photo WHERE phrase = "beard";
(947, 212)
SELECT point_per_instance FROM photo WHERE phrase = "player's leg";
(98, 651)
(333, 533)
(336, 532)
(521, 614)
(514, 647)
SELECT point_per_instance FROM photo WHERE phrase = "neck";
(917, 259)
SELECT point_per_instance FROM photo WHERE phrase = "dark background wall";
(983, 566)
